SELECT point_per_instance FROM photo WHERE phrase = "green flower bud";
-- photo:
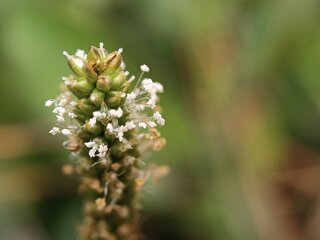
(84, 134)
(125, 86)
(75, 64)
(86, 107)
(112, 63)
(93, 54)
(81, 117)
(81, 88)
(90, 72)
(114, 99)
(104, 83)
(118, 81)
(95, 130)
(110, 137)
(97, 97)
(116, 152)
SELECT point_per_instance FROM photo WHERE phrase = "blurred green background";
(241, 101)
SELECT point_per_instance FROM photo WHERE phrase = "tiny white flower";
(120, 132)
(63, 102)
(120, 136)
(54, 130)
(92, 152)
(73, 103)
(142, 124)
(99, 115)
(158, 117)
(59, 110)
(49, 103)
(92, 122)
(90, 144)
(144, 68)
(81, 54)
(72, 115)
(130, 125)
(151, 87)
(102, 150)
(131, 96)
(110, 128)
(146, 81)
(65, 131)
(140, 107)
(152, 102)
(60, 118)
(152, 124)
(116, 113)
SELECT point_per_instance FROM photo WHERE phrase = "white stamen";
(81, 54)
(92, 152)
(144, 68)
(60, 119)
(130, 125)
(115, 113)
(65, 131)
(99, 115)
(92, 122)
(152, 124)
(133, 77)
(49, 102)
(142, 124)
(72, 115)
(63, 102)
(152, 102)
(158, 117)
(54, 130)
(90, 144)
(110, 128)
(59, 110)
(66, 54)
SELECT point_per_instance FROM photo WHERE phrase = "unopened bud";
(110, 137)
(112, 63)
(86, 107)
(104, 83)
(81, 89)
(75, 64)
(90, 72)
(118, 81)
(73, 144)
(101, 203)
(80, 116)
(68, 169)
(93, 54)
(94, 130)
(97, 97)
(116, 152)
(114, 99)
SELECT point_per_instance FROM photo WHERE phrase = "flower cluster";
(110, 123)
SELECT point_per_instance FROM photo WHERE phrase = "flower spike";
(109, 125)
